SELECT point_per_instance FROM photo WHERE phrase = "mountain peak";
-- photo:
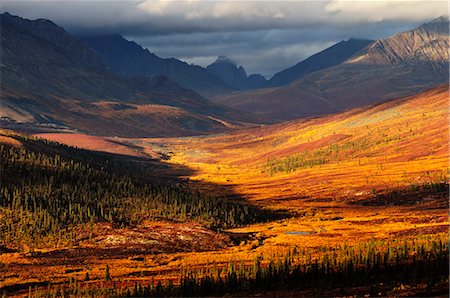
(357, 39)
(229, 72)
(331, 56)
(225, 60)
(441, 19)
(439, 25)
(52, 33)
(427, 43)
(127, 58)
(42, 24)
(234, 75)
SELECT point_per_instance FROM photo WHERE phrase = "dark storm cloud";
(263, 51)
(264, 36)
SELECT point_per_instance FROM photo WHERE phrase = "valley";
(127, 169)
(375, 174)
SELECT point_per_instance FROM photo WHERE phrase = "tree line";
(47, 188)
(373, 267)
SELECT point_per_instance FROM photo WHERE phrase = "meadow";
(347, 204)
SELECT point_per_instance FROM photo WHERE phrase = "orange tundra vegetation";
(363, 180)
(375, 167)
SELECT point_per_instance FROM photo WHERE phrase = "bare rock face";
(427, 43)
(235, 76)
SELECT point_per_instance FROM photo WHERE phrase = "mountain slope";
(235, 76)
(50, 78)
(129, 59)
(228, 71)
(401, 142)
(255, 81)
(421, 45)
(331, 56)
(400, 65)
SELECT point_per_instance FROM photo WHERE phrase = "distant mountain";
(127, 58)
(400, 65)
(51, 33)
(229, 72)
(51, 79)
(255, 81)
(425, 46)
(235, 76)
(331, 56)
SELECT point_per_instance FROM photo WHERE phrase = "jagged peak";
(439, 25)
(403, 46)
(441, 19)
(357, 39)
(225, 59)
(6, 16)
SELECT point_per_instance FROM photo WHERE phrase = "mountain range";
(108, 85)
(127, 58)
(331, 56)
(400, 65)
(50, 78)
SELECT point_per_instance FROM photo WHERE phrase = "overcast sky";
(263, 36)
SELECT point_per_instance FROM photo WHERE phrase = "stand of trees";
(325, 155)
(317, 157)
(47, 188)
(368, 265)
(370, 268)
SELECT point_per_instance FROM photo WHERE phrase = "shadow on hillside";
(152, 171)
(435, 194)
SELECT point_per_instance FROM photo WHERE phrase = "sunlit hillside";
(339, 157)
(372, 172)
(352, 192)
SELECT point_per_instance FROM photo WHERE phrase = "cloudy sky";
(263, 36)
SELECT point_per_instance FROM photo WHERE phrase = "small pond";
(300, 233)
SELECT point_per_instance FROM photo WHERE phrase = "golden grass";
(390, 146)
(393, 145)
